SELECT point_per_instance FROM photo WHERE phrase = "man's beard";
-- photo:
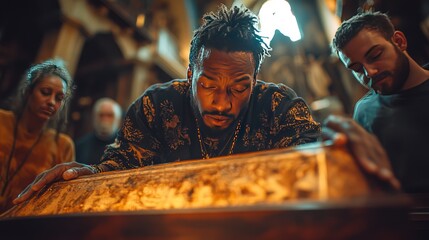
(400, 73)
(105, 130)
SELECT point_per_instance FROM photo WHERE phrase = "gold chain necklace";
(204, 152)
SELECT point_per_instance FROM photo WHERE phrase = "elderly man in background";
(107, 116)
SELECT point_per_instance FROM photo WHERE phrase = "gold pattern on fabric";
(211, 143)
(297, 117)
(176, 135)
(114, 164)
(142, 154)
(181, 87)
(283, 142)
(275, 101)
(263, 88)
(300, 113)
(130, 132)
(149, 110)
(246, 139)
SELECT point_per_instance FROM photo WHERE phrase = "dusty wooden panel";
(310, 172)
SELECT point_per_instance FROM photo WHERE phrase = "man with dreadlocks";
(220, 109)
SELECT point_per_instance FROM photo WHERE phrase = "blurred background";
(117, 48)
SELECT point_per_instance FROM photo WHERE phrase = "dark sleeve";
(293, 123)
(137, 144)
(83, 149)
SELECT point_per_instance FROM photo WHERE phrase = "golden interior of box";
(309, 172)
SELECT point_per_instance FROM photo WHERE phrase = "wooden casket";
(306, 192)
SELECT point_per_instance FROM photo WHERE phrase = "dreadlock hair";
(376, 21)
(35, 74)
(230, 30)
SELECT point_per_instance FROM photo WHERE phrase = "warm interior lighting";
(140, 20)
(277, 14)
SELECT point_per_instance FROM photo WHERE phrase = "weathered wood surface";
(311, 172)
(357, 218)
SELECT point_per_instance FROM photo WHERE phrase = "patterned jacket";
(160, 127)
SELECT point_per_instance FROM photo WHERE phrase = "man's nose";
(370, 71)
(222, 101)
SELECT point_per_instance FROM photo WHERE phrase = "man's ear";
(400, 40)
(189, 74)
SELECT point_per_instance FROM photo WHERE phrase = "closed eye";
(375, 56)
(207, 86)
(45, 91)
(239, 88)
